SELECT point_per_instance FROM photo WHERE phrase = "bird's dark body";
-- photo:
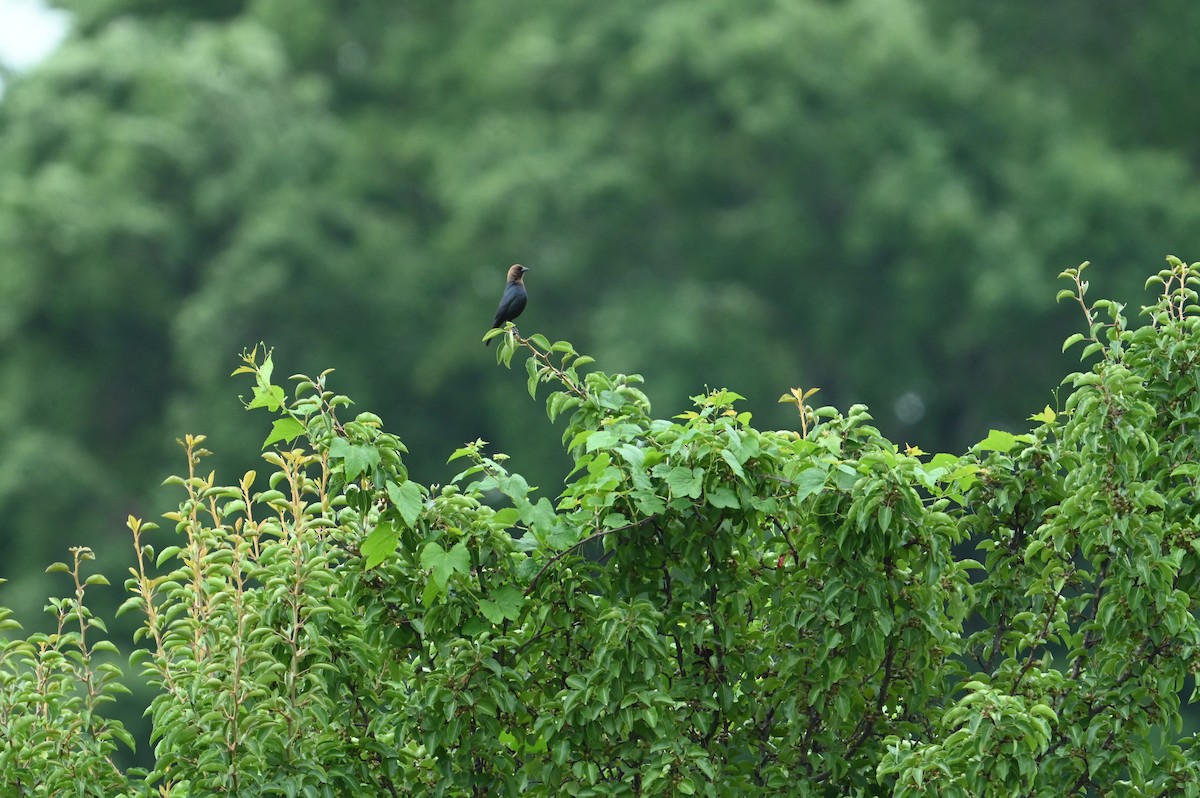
(513, 300)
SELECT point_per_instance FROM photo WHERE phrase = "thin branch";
(1044, 635)
(570, 385)
(574, 546)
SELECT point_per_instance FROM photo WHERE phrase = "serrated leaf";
(1047, 416)
(686, 481)
(445, 563)
(506, 517)
(357, 457)
(732, 460)
(506, 602)
(809, 481)
(408, 500)
(723, 497)
(602, 440)
(381, 543)
(491, 611)
(284, 429)
(634, 455)
(997, 441)
(271, 397)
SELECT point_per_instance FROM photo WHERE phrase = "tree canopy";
(763, 612)
(871, 197)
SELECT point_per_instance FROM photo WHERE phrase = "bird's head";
(516, 272)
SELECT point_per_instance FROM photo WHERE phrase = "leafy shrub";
(706, 608)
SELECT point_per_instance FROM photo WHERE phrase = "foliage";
(833, 190)
(1064, 47)
(53, 687)
(707, 608)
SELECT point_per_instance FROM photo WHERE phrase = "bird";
(512, 302)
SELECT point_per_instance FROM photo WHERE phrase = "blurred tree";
(1129, 65)
(129, 161)
(751, 190)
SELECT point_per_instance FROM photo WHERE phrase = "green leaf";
(732, 460)
(634, 455)
(491, 611)
(380, 544)
(131, 603)
(808, 482)
(284, 429)
(431, 592)
(505, 603)
(997, 441)
(602, 440)
(445, 563)
(271, 397)
(1070, 342)
(723, 497)
(686, 481)
(358, 458)
(506, 517)
(531, 366)
(105, 646)
(942, 460)
(408, 500)
(1047, 416)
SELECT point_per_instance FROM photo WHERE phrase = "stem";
(544, 357)
(574, 546)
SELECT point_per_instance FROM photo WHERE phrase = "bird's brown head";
(516, 272)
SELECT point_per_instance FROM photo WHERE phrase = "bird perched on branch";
(513, 300)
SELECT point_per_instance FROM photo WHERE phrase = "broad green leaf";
(380, 544)
(506, 517)
(686, 481)
(445, 563)
(357, 457)
(506, 602)
(732, 460)
(1047, 416)
(634, 455)
(284, 429)
(602, 439)
(997, 441)
(723, 497)
(431, 592)
(271, 397)
(407, 499)
(491, 611)
(809, 481)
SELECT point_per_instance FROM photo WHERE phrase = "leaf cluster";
(706, 608)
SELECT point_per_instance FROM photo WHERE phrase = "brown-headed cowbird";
(513, 300)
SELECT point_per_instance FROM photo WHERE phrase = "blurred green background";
(869, 196)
